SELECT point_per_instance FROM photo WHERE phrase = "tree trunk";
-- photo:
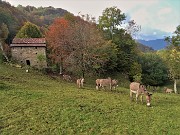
(4, 52)
(175, 86)
(60, 69)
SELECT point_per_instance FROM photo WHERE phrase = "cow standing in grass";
(80, 82)
(140, 89)
(167, 90)
(104, 83)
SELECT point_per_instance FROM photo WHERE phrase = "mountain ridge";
(156, 44)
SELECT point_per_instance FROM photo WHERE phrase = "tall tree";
(93, 50)
(59, 41)
(3, 36)
(29, 30)
(110, 23)
(172, 56)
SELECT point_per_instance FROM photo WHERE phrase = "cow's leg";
(131, 95)
(137, 95)
(110, 86)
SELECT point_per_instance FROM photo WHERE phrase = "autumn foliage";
(58, 38)
(75, 41)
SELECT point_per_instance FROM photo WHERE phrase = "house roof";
(28, 42)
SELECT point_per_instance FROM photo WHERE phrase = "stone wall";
(29, 55)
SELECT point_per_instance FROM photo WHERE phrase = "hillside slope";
(33, 103)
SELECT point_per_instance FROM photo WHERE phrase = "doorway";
(28, 62)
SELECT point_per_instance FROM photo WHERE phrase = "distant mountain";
(156, 44)
(144, 48)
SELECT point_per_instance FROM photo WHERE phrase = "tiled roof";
(29, 40)
(28, 45)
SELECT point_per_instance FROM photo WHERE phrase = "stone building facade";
(29, 51)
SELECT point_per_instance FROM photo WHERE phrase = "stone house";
(29, 51)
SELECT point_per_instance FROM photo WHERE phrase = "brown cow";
(105, 83)
(140, 89)
(80, 82)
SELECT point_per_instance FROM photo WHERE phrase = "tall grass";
(33, 103)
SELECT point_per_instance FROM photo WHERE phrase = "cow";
(97, 83)
(114, 83)
(67, 78)
(80, 82)
(105, 83)
(167, 90)
(140, 89)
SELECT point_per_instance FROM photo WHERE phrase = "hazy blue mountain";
(156, 44)
(144, 48)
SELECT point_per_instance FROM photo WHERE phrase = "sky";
(157, 18)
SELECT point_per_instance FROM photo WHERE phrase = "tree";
(154, 70)
(3, 36)
(77, 45)
(29, 30)
(88, 52)
(132, 28)
(110, 23)
(59, 41)
(172, 56)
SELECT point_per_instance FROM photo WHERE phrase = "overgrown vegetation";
(33, 103)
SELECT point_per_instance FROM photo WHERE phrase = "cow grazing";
(114, 83)
(105, 83)
(140, 89)
(80, 82)
(167, 90)
(67, 78)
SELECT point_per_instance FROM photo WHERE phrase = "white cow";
(140, 89)
(80, 82)
(167, 90)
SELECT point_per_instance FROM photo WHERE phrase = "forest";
(81, 45)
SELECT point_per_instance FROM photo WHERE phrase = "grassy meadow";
(33, 103)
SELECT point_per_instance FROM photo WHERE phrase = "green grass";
(33, 103)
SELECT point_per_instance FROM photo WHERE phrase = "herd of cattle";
(135, 87)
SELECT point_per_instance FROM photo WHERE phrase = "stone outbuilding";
(29, 51)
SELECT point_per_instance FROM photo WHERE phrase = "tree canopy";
(29, 30)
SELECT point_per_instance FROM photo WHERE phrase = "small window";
(36, 47)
